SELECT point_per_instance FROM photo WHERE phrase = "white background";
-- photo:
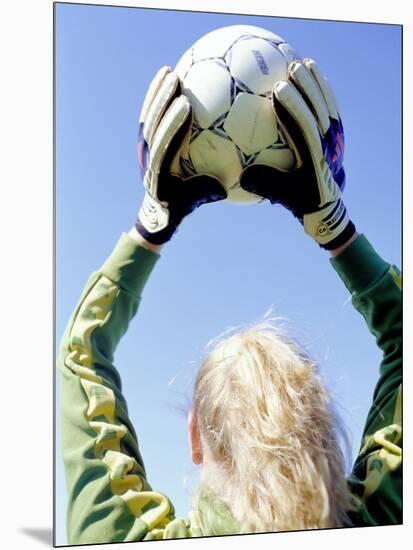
(26, 176)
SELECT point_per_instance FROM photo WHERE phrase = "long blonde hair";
(269, 433)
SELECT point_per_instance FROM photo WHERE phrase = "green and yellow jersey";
(109, 496)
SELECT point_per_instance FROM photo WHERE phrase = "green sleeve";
(109, 497)
(376, 478)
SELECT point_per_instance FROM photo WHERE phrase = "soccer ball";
(228, 76)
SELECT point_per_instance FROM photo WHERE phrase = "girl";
(262, 425)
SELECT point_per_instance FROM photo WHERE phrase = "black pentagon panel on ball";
(240, 154)
(241, 87)
(219, 122)
(273, 43)
(195, 132)
(227, 54)
(219, 131)
(250, 159)
(234, 90)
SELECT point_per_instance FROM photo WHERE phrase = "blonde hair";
(269, 434)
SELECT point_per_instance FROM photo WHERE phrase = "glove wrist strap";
(330, 225)
(344, 236)
(154, 221)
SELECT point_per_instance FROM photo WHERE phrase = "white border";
(351, 10)
(26, 221)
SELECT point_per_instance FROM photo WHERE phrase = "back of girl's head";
(269, 434)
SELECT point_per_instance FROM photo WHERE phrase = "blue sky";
(228, 263)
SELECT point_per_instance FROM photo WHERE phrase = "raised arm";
(376, 479)
(109, 497)
(105, 476)
(307, 110)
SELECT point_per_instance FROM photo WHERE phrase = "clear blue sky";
(228, 264)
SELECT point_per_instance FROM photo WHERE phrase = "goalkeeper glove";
(307, 112)
(164, 129)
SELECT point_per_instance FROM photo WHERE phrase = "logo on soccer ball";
(261, 62)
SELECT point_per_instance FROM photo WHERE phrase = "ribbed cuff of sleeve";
(359, 265)
(130, 264)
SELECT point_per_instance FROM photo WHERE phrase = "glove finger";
(167, 87)
(301, 121)
(309, 89)
(302, 130)
(326, 90)
(152, 91)
(153, 215)
(173, 126)
(143, 148)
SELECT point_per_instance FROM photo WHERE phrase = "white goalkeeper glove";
(307, 111)
(164, 127)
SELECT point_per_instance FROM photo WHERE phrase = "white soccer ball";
(228, 76)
